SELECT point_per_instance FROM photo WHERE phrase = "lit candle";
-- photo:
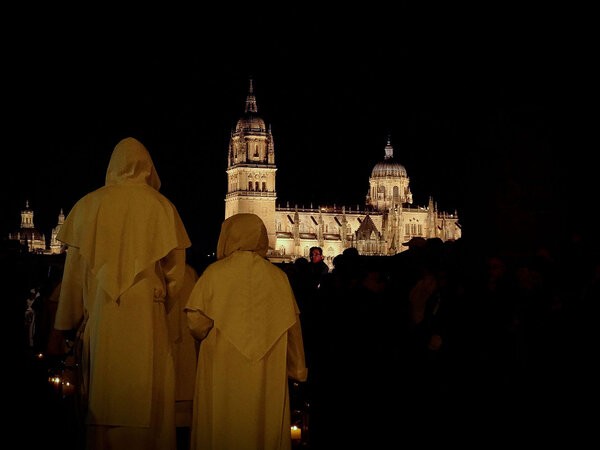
(68, 388)
(56, 382)
(296, 433)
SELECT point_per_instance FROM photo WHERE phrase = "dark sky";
(489, 110)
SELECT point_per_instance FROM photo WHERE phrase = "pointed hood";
(111, 225)
(244, 292)
(130, 162)
(243, 232)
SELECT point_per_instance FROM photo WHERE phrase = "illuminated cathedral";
(34, 240)
(386, 221)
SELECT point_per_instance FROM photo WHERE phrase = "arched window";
(396, 194)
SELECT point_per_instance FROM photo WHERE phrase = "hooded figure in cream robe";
(243, 309)
(125, 262)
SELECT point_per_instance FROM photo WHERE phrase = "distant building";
(379, 228)
(31, 238)
(55, 245)
(27, 234)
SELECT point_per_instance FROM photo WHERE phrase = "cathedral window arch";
(414, 229)
(396, 194)
(263, 183)
(250, 185)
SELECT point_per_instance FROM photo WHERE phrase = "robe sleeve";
(199, 324)
(296, 365)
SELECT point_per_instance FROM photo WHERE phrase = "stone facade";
(386, 221)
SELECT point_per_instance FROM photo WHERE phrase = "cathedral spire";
(251, 99)
(389, 150)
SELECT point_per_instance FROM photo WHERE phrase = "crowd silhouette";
(443, 342)
(446, 341)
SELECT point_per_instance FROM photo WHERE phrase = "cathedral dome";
(250, 122)
(389, 167)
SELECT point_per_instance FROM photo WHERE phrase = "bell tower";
(251, 168)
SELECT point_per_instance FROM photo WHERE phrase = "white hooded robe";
(125, 261)
(254, 343)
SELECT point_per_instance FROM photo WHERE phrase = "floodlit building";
(55, 245)
(28, 235)
(386, 220)
(34, 240)
(378, 228)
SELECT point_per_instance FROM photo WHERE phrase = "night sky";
(491, 111)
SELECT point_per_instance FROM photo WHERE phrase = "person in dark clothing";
(317, 266)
